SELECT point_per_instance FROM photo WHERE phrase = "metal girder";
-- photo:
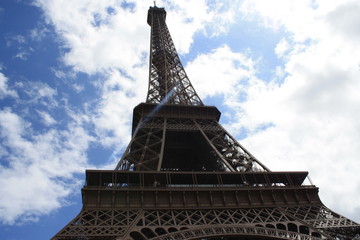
(231, 151)
(138, 224)
(187, 224)
(145, 150)
(154, 133)
(145, 205)
(327, 220)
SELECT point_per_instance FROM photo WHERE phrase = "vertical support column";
(122, 165)
(161, 155)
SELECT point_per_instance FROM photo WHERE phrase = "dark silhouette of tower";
(183, 176)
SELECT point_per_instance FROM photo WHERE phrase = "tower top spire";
(168, 81)
(155, 11)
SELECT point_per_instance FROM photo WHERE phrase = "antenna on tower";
(154, 3)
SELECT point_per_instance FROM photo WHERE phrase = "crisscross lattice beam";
(213, 145)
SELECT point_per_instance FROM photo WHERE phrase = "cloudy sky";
(285, 74)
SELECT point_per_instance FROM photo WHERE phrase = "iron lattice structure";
(168, 82)
(183, 176)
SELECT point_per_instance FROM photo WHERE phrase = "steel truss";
(188, 224)
(145, 151)
(277, 223)
(139, 205)
(168, 81)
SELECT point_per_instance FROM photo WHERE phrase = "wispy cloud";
(5, 91)
(46, 118)
(21, 44)
(39, 93)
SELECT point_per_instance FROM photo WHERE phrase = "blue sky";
(284, 74)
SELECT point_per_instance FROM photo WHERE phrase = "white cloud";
(21, 43)
(344, 19)
(4, 89)
(220, 72)
(300, 16)
(113, 115)
(185, 19)
(281, 48)
(15, 39)
(40, 93)
(39, 168)
(38, 33)
(314, 113)
(97, 39)
(78, 88)
(46, 118)
(23, 55)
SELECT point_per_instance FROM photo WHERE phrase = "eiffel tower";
(183, 176)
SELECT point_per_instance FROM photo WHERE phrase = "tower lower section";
(138, 205)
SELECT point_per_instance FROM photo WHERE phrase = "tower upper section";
(168, 82)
